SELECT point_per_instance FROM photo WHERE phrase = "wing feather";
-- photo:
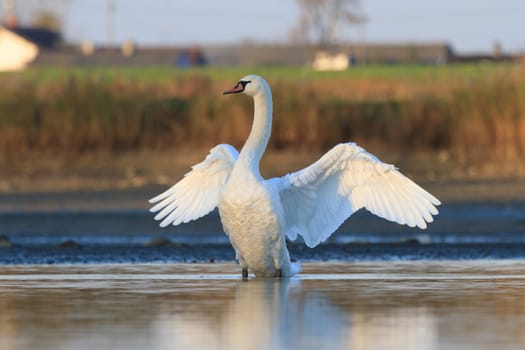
(198, 192)
(319, 198)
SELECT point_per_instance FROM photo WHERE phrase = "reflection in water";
(405, 328)
(251, 320)
(419, 305)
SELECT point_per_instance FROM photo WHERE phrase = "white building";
(15, 51)
(326, 61)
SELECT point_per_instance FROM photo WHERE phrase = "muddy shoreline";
(71, 253)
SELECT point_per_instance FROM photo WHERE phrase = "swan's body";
(259, 214)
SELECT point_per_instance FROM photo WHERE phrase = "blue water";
(466, 222)
(394, 305)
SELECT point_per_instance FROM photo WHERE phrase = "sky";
(469, 25)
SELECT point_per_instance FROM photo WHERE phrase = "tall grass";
(469, 110)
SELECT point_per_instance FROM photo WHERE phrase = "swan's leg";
(278, 271)
(242, 263)
(276, 253)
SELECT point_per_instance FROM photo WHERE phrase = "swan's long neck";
(253, 149)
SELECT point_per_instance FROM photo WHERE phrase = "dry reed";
(72, 115)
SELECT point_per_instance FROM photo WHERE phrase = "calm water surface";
(384, 305)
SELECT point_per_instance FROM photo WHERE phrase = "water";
(448, 296)
(121, 217)
(383, 305)
(111, 228)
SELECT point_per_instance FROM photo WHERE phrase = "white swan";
(259, 214)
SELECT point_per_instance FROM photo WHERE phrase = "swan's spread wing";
(319, 198)
(198, 192)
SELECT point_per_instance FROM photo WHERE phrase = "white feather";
(198, 192)
(349, 178)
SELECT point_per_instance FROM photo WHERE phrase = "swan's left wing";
(319, 198)
(198, 192)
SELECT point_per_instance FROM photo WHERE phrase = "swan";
(259, 214)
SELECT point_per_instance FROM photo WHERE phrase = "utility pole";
(361, 40)
(110, 24)
(10, 13)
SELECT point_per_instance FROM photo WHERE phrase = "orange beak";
(239, 87)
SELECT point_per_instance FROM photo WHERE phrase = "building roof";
(247, 54)
(138, 56)
(280, 54)
(43, 38)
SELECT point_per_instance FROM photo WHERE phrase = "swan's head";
(250, 85)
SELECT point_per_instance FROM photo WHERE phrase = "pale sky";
(469, 25)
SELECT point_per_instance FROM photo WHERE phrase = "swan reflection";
(362, 306)
(273, 314)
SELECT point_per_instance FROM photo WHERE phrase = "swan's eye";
(244, 83)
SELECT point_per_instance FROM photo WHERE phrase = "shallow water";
(122, 217)
(383, 305)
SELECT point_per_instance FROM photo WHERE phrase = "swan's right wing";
(198, 192)
(319, 198)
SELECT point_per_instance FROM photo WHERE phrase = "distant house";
(403, 53)
(337, 57)
(20, 46)
(254, 54)
(326, 61)
(126, 55)
(16, 51)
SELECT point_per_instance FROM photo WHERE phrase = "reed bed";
(468, 110)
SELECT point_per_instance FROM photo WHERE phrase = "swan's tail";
(296, 267)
